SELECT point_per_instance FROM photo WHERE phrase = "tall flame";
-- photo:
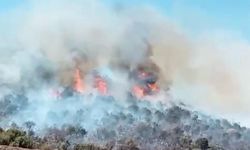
(101, 85)
(78, 82)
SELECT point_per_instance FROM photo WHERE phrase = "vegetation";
(17, 138)
(133, 127)
(88, 147)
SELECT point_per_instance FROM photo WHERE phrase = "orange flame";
(138, 91)
(78, 82)
(101, 85)
(154, 87)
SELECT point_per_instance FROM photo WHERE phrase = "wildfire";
(101, 85)
(153, 87)
(78, 82)
(138, 91)
(144, 84)
(142, 91)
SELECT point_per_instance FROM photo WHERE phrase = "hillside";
(111, 124)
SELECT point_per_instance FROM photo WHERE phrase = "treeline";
(56, 140)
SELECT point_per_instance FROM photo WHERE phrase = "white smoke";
(217, 80)
(209, 72)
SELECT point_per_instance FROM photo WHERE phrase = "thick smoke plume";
(42, 45)
(48, 39)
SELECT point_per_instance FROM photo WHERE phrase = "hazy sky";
(192, 15)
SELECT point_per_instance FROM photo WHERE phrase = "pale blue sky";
(194, 15)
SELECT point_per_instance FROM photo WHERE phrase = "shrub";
(14, 133)
(15, 137)
(186, 141)
(4, 139)
(87, 147)
(1, 130)
(45, 147)
(23, 141)
(202, 143)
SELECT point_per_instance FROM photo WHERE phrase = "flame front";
(138, 91)
(101, 85)
(78, 82)
(153, 87)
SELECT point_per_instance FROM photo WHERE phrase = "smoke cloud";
(41, 45)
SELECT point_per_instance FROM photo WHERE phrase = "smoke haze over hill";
(208, 71)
